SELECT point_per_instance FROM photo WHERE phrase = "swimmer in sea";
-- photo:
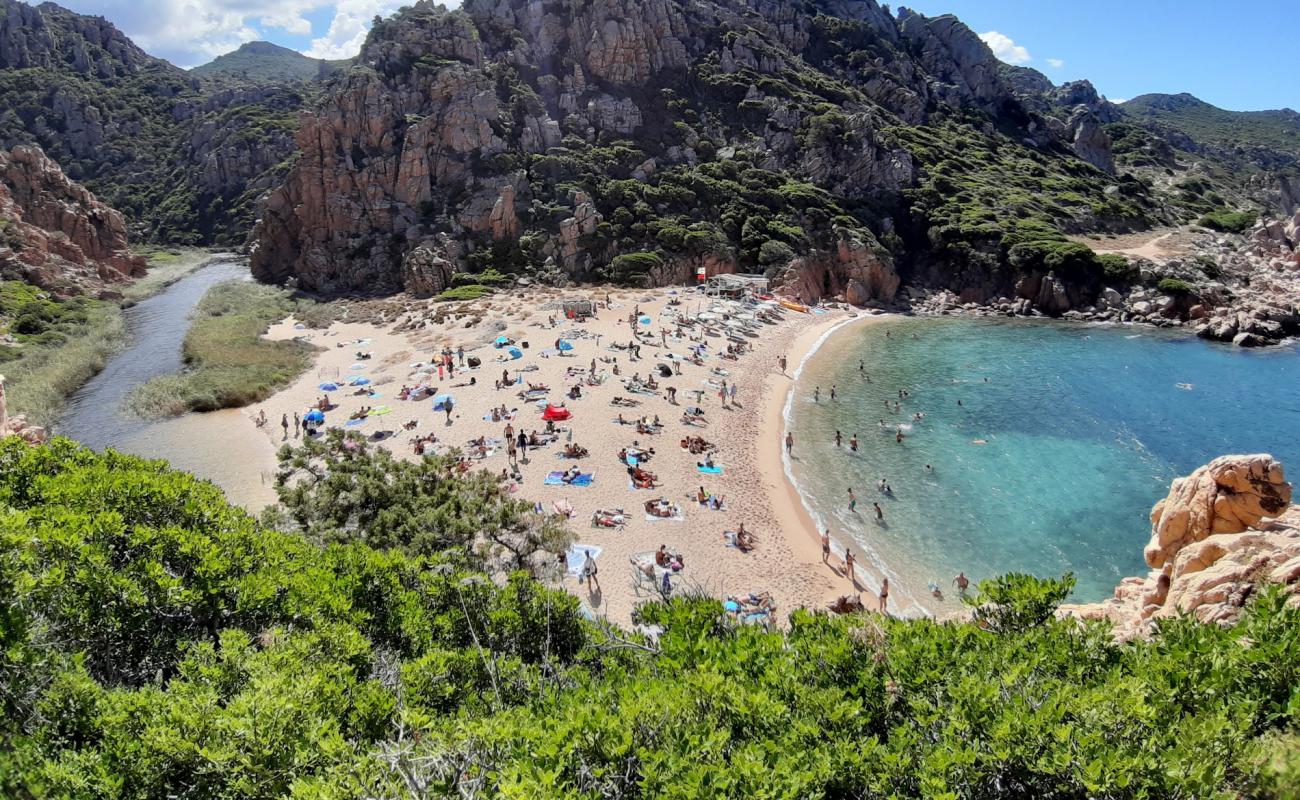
(817, 394)
(853, 443)
(837, 438)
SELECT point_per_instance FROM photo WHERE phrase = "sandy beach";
(786, 559)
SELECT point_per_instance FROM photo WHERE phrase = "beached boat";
(793, 306)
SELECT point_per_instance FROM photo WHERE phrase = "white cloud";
(1004, 48)
(192, 32)
(348, 29)
(1055, 63)
(1118, 100)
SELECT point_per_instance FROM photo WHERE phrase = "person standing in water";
(817, 394)
(853, 443)
(880, 512)
(832, 393)
(789, 442)
(853, 501)
(838, 438)
(962, 583)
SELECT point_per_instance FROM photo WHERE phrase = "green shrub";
(470, 291)
(1175, 287)
(1228, 221)
(1117, 269)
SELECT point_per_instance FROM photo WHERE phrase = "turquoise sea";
(1084, 426)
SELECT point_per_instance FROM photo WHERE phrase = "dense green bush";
(156, 642)
(468, 291)
(1117, 269)
(1228, 221)
(1175, 286)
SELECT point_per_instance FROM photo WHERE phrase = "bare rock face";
(1222, 531)
(1089, 141)
(54, 233)
(1228, 495)
(858, 272)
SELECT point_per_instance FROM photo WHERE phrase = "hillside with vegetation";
(183, 160)
(264, 62)
(157, 642)
(1276, 130)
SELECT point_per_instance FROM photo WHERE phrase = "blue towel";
(714, 470)
(352, 423)
(557, 479)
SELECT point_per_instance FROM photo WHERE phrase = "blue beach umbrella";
(515, 352)
(502, 341)
(329, 386)
(440, 402)
(565, 345)
(358, 381)
(315, 415)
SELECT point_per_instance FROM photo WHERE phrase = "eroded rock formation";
(54, 233)
(1220, 534)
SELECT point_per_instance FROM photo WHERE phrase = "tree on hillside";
(339, 488)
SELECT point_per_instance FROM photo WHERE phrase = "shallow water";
(1085, 427)
(218, 446)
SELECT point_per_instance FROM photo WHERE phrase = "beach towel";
(557, 479)
(716, 469)
(352, 423)
(680, 516)
(577, 556)
(632, 460)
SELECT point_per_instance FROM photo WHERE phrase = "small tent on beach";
(556, 413)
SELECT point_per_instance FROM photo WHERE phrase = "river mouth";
(219, 446)
(1046, 443)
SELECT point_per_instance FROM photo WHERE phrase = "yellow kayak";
(793, 306)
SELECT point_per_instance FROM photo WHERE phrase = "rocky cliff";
(54, 233)
(1220, 535)
(635, 140)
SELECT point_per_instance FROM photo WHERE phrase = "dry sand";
(787, 560)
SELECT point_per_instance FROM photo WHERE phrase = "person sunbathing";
(662, 557)
(707, 463)
(744, 539)
(570, 475)
(537, 387)
(660, 508)
(575, 393)
(575, 451)
(693, 419)
(404, 393)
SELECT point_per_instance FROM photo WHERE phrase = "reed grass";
(228, 363)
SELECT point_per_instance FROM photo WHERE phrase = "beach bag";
(474, 361)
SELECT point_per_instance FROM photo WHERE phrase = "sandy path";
(787, 560)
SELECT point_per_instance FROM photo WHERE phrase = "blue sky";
(1241, 56)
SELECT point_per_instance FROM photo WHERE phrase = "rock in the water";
(1221, 533)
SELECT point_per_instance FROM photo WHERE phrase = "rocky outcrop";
(1220, 534)
(54, 233)
(962, 66)
(857, 271)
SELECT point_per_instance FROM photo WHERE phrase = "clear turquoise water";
(1085, 427)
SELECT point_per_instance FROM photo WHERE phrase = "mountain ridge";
(267, 62)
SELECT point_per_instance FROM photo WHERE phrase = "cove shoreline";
(798, 518)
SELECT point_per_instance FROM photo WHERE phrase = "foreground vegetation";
(157, 642)
(228, 362)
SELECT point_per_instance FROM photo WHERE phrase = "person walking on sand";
(884, 595)
(460, 354)
(962, 583)
(731, 390)
(826, 546)
(781, 360)
(789, 442)
(853, 501)
(284, 425)
(448, 407)
(848, 565)
(297, 424)
(589, 571)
